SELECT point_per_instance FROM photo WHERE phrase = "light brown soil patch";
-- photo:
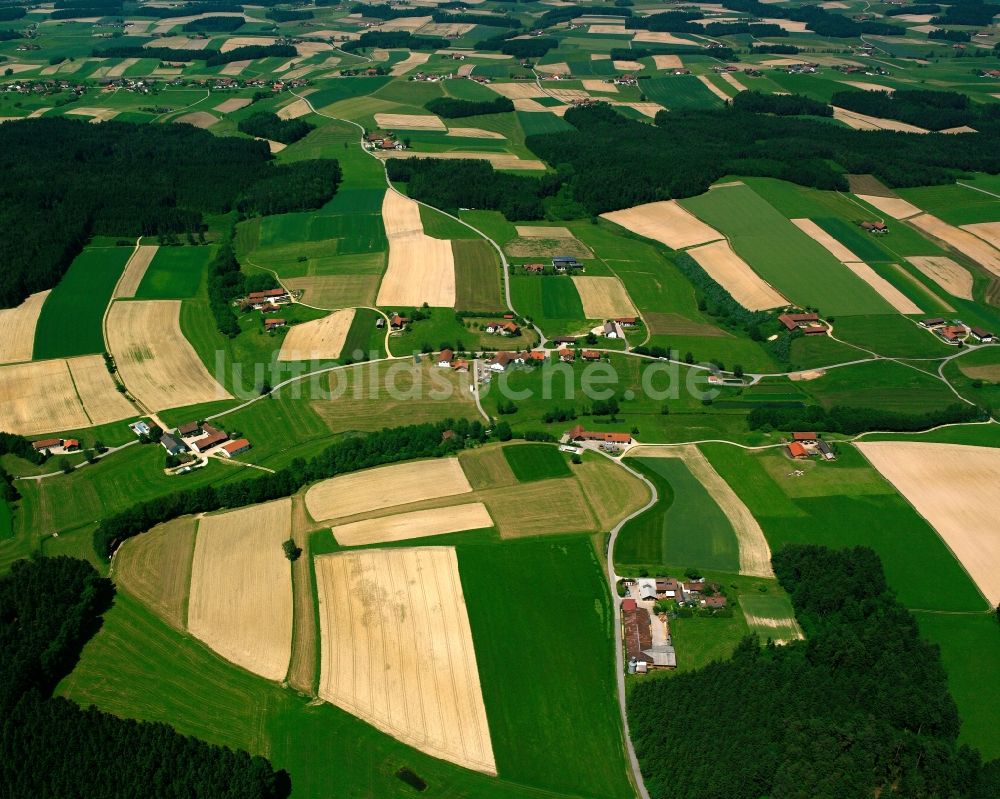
(517, 91)
(178, 43)
(241, 587)
(200, 119)
(755, 554)
(97, 115)
(119, 69)
(17, 328)
(896, 207)
(234, 103)
(956, 488)
(294, 110)
(157, 364)
(410, 121)
(560, 68)
(412, 61)
(810, 374)
(335, 291)
(475, 133)
(733, 81)
(547, 507)
(604, 297)
(613, 492)
(320, 339)
(668, 62)
(600, 86)
(969, 245)
(405, 24)
(102, 401)
(530, 247)
(416, 524)
(736, 276)
(987, 231)
(232, 69)
(665, 222)
(825, 240)
(646, 109)
(870, 185)
(498, 160)
(446, 30)
(274, 146)
(955, 279)
(609, 30)
(868, 87)
(569, 95)
(386, 487)
(884, 288)
(660, 37)
(864, 122)
(713, 88)
(543, 232)
(397, 650)
(245, 41)
(486, 467)
(628, 66)
(988, 372)
(135, 270)
(155, 567)
(421, 269)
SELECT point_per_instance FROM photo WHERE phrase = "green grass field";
(770, 607)
(536, 123)
(6, 520)
(680, 91)
(70, 321)
(685, 529)
(955, 204)
(531, 462)
(175, 273)
(783, 255)
(880, 384)
(864, 245)
(891, 335)
(478, 276)
(552, 302)
(441, 226)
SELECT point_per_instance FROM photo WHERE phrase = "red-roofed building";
(806, 438)
(70, 445)
(460, 366)
(271, 324)
(445, 358)
(714, 602)
(796, 450)
(952, 333)
(269, 294)
(234, 448)
(46, 443)
(567, 355)
(579, 434)
(397, 322)
(591, 355)
(628, 604)
(808, 323)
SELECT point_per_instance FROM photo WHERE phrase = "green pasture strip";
(679, 92)
(175, 273)
(478, 276)
(891, 335)
(882, 384)
(531, 462)
(71, 319)
(955, 204)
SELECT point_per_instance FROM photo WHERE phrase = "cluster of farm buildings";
(808, 323)
(56, 446)
(646, 626)
(807, 444)
(202, 438)
(267, 302)
(559, 263)
(383, 140)
(956, 332)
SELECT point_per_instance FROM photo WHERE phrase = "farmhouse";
(591, 355)
(642, 653)
(808, 323)
(567, 355)
(564, 262)
(564, 340)
(796, 450)
(172, 445)
(714, 602)
(445, 358)
(397, 322)
(876, 228)
(805, 438)
(273, 324)
(503, 328)
(190, 429)
(952, 334)
(233, 448)
(46, 444)
(937, 321)
(534, 269)
(579, 434)
(627, 321)
(500, 361)
(212, 438)
(270, 295)
(613, 330)
(460, 366)
(981, 335)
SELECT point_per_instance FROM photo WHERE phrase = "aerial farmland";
(570, 400)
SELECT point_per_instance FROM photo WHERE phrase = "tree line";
(452, 108)
(782, 105)
(389, 445)
(50, 748)
(534, 47)
(213, 24)
(189, 9)
(967, 12)
(268, 125)
(859, 709)
(851, 421)
(935, 110)
(212, 58)
(57, 172)
(395, 39)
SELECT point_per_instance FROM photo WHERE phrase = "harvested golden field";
(200, 119)
(498, 160)
(178, 43)
(39, 397)
(273, 146)
(560, 68)
(96, 115)
(397, 651)
(421, 269)
(294, 109)
(896, 207)
(600, 86)
(544, 507)
(517, 91)
(668, 62)
(608, 30)
(135, 270)
(955, 279)
(415, 524)
(543, 232)
(613, 492)
(412, 61)
(155, 567)
(733, 81)
(603, 297)
(569, 95)
(884, 288)
(736, 276)
(335, 291)
(245, 41)
(869, 185)
(155, 361)
(665, 222)
(646, 109)
(405, 24)
(824, 239)
(447, 30)
(627, 66)
(989, 372)
(864, 122)
(232, 69)
(102, 401)
(987, 231)
(321, 339)
(956, 488)
(17, 328)
(369, 397)
(660, 38)
(868, 87)
(409, 121)
(486, 467)
(755, 553)
(386, 487)
(119, 69)
(969, 245)
(713, 88)
(241, 587)
(475, 133)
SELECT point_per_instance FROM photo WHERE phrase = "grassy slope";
(70, 321)
(531, 462)
(175, 273)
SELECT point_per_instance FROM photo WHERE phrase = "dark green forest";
(925, 109)
(57, 173)
(52, 749)
(452, 108)
(859, 709)
(267, 125)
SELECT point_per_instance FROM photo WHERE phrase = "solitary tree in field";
(292, 551)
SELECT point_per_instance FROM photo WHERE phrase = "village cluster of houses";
(43, 87)
(501, 361)
(203, 439)
(806, 444)
(808, 323)
(956, 332)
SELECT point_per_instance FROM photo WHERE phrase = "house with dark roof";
(982, 335)
(808, 323)
(173, 446)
